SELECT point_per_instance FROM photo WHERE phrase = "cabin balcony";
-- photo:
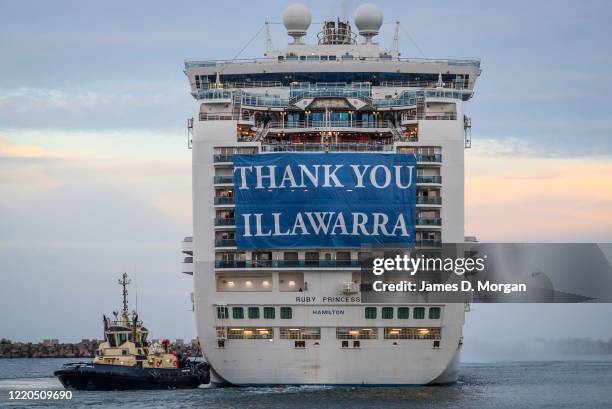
(224, 201)
(225, 222)
(224, 181)
(429, 180)
(187, 245)
(287, 264)
(435, 201)
(187, 265)
(318, 125)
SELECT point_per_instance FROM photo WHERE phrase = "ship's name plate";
(330, 299)
(325, 311)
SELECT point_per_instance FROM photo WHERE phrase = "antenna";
(136, 289)
(269, 46)
(396, 37)
(123, 282)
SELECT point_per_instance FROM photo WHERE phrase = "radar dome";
(296, 19)
(368, 19)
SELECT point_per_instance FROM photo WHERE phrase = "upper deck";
(338, 57)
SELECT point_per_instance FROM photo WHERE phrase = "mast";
(123, 282)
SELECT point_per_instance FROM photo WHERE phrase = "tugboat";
(126, 360)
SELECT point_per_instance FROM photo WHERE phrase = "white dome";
(296, 19)
(368, 19)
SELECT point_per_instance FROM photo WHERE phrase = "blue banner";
(308, 200)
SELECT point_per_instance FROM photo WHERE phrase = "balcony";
(318, 147)
(187, 265)
(187, 245)
(227, 116)
(428, 243)
(223, 158)
(225, 243)
(429, 179)
(224, 200)
(428, 116)
(299, 264)
(429, 200)
(224, 180)
(225, 221)
(437, 158)
(299, 126)
(433, 221)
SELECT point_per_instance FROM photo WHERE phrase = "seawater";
(551, 384)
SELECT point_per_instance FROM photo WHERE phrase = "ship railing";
(287, 264)
(247, 84)
(223, 179)
(224, 200)
(225, 243)
(214, 94)
(219, 117)
(223, 158)
(296, 94)
(264, 101)
(425, 84)
(225, 221)
(316, 123)
(317, 147)
(467, 62)
(429, 221)
(429, 179)
(394, 102)
(429, 116)
(429, 200)
(435, 158)
(428, 243)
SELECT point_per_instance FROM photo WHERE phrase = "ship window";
(436, 344)
(250, 333)
(370, 313)
(221, 343)
(413, 333)
(222, 313)
(238, 313)
(286, 313)
(434, 313)
(269, 313)
(387, 313)
(403, 313)
(300, 333)
(253, 313)
(332, 58)
(356, 333)
(356, 344)
(300, 344)
(418, 313)
(122, 338)
(344, 344)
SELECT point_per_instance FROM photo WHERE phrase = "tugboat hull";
(115, 377)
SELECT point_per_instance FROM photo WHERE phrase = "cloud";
(522, 199)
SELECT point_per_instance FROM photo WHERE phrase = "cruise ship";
(278, 293)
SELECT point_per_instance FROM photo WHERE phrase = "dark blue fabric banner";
(321, 200)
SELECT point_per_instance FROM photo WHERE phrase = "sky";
(95, 173)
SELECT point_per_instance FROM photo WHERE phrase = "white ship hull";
(277, 316)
